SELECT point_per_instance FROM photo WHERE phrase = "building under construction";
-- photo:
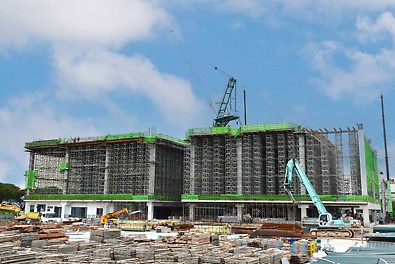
(241, 171)
(217, 171)
(89, 177)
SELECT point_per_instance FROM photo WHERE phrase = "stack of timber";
(11, 254)
(273, 230)
(107, 246)
(104, 234)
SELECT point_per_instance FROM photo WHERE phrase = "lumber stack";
(104, 234)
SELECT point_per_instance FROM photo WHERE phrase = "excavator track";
(337, 233)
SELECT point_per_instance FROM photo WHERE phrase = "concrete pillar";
(151, 169)
(63, 215)
(192, 168)
(303, 211)
(239, 208)
(66, 209)
(239, 153)
(302, 161)
(192, 212)
(107, 161)
(365, 215)
(66, 173)
(108, 208)
(291, 212)
(150, 210)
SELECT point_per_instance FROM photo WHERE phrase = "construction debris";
(50, 244)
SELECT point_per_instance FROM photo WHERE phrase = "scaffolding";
(246, 162)
(120, 164)
(254, 159)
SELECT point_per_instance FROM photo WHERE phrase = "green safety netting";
(112, 197)
(30, 178)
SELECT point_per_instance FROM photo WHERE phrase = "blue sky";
(95, 67)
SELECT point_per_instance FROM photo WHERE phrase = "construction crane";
(224, 116)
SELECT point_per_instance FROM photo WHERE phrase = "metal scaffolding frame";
(133, 166)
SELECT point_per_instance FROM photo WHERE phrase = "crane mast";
(223, 115)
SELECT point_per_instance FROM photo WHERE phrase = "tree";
(11, 193)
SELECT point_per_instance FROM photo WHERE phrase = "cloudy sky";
(94, 67)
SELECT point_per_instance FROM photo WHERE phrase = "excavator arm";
(293, 165)
(104, 219)
(327, 226)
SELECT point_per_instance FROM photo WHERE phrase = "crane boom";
(223, 118)
(293, 165)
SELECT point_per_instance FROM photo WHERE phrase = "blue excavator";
(327, 226)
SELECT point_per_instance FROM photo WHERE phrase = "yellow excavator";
(30, 217)
(135, 215)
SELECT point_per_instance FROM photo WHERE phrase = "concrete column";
(192, 212)
(66, 209)
(239, 153)
(365, 215)
(150, 210)
(374, 216)
(108, 208)
(66, 173)
(291, 212)
(151, 169)
(362, 160)
(303, 211)
(107, 161)
(302, 161)
(63, 205)
(239, 208)
(192, 168)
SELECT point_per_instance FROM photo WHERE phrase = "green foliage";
(10, 192)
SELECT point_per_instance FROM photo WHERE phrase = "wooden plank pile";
(11, 254)
(9, 236)
(102, 235)
(107, 246)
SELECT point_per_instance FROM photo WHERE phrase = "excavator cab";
(325, 219)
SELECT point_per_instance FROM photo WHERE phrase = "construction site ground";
(60, 243)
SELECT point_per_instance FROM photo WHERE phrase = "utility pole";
(385, 140)
(245, 107)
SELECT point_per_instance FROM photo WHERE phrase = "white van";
(49, 217)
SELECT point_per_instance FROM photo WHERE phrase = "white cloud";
(278, 12)
(361, 75)
(88, 22)
(4, 169)
(29, 118)
(84, 37)
(375, 31)
(94, 74)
